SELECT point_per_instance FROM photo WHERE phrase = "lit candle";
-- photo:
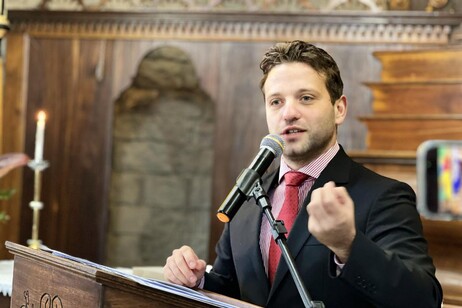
(40, 136)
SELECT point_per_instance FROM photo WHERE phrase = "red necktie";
(288, 214)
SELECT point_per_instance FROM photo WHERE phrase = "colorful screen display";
(449, 175)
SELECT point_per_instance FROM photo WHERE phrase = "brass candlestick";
(36, 205)
(4, 23)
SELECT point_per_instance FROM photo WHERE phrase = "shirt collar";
(315, 167)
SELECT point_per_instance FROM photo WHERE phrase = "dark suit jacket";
(388, 265)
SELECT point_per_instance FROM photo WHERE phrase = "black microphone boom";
(271, 147)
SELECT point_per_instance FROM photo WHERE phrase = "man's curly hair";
(303, 52)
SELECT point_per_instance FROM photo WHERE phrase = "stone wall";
(162, 163)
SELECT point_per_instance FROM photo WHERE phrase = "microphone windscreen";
(274, 143)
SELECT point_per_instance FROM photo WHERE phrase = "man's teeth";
(291, 131)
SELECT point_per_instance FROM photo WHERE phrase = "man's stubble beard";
(311, 148)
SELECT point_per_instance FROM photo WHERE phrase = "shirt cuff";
(201, 283)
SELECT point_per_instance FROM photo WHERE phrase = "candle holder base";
(36, 205)
(38, 165)
(34, 244)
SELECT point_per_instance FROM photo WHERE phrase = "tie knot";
(295, 178)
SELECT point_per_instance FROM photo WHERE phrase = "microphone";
(271, 147)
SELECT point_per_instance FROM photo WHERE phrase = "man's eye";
(306, 98)
(275, 102)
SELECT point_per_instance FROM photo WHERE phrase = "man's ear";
(340, 107)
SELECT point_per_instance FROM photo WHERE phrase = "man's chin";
(294, 155)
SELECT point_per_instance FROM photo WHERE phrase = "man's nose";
(291, 111)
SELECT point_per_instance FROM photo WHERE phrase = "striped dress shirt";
(313, 169)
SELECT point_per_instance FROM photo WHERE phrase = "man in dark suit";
(363, 246)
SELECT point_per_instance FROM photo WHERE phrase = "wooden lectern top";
(41, 279)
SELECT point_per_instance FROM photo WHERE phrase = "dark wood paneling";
(240, 121)
(50, 92)
(5, 301)
(63, 82)
(13, 128)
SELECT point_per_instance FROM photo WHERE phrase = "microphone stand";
(249, 183)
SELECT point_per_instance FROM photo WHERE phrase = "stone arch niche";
(160, 195)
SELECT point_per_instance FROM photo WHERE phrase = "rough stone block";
(165, 191)
(123, 250)
(125, 187)
(144, 157)
(201, 192)
(129, 219)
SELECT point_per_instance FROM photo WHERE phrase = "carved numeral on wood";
(46, 301)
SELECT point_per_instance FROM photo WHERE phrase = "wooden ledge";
(410, 83)
(411, 117)
(383, 157)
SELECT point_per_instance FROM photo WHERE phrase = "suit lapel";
(250, 243)
(337, 170)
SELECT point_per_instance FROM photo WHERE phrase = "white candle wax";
(40, 136)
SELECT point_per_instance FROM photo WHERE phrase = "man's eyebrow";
(309, 90)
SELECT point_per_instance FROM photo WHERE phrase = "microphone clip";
(247, 181)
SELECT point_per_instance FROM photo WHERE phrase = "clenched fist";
(331, 219)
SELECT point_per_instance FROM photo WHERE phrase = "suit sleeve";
(222, 278)
(389, 262)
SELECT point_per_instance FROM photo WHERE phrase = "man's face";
(299, 109)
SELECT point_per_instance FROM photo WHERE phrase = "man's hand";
(331, 219)
(184, 267)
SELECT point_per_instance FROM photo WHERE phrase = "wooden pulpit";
(41, 279)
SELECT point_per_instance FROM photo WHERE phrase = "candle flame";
(41, 116)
